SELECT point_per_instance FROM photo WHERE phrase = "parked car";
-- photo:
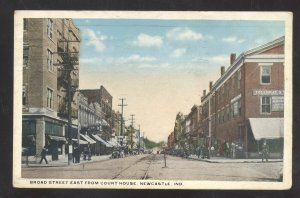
(115, 154)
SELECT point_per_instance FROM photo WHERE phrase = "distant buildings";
(245, 105)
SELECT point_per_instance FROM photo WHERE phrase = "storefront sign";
(259, 92)
(277, 103)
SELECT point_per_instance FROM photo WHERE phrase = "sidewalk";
(64, 162)
(230, 160)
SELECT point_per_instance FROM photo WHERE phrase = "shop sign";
(277, 103)
(259, 92)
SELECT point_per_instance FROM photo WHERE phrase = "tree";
(180, 131)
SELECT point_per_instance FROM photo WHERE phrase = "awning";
(114, 142)
(80, 141)
(98, 138)
(267, 128)
(88, 139)
(57, 138)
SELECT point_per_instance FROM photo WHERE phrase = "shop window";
(50, 28)
(265, 104)
(53, 129)
(265, 75)
(49, 98)
(28, 127)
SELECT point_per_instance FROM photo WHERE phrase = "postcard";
(152, 100)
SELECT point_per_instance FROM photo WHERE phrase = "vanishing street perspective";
(153, 99)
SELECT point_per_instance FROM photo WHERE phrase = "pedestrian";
(212, 149)
(265, 151)
(43, 154)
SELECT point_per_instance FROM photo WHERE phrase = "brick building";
(245, 105)
(46, 45)
(104, 99)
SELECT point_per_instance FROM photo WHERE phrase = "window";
(25, 55)
(50, 60)
(59, 35)
(265, 104)
(24, 96)
(236, 108)
(59, 101)
(49, 98)
(240, 107)
(239, 79)
(50, 28)
(25, 24)
(232, 85)
(223, 115)
(265, 74)
(228, 113)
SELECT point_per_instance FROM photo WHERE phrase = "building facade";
(44, 93)
(249, 92)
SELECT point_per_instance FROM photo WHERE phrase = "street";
(151, 166)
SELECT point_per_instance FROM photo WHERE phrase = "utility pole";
(132, 130)
(139, 145)
(122, 118)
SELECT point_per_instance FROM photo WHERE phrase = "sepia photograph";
(152, 100)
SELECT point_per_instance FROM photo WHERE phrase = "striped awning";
(80, 141)
(88, 139)
(98, 138)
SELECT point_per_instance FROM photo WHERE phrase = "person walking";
(43, 154)
(265, 151)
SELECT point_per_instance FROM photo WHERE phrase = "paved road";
(151, 167)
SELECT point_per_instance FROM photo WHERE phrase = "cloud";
(178, 52)
(137, 58)
(90, 60)
(233, 39)
(145, 40)
(219, 60)
(151, 65)
(95, 39)
(183, 34)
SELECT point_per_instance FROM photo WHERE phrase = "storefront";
(270, 130)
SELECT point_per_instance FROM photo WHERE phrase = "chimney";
(204, 92)
(210, 85)
(232, 58)
(222, 70)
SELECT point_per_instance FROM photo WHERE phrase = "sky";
(162, 67)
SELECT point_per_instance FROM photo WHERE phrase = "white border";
(287, 17)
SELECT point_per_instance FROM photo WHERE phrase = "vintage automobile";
(115, 154)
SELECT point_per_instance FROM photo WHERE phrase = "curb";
(212, 161)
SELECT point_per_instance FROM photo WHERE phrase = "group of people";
(76, 154)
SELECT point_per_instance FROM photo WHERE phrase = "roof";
(267, 128)
(239, 59)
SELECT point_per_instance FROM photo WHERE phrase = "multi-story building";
(45, 68)
(195, 126)
(245, 105)
(102, 97)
